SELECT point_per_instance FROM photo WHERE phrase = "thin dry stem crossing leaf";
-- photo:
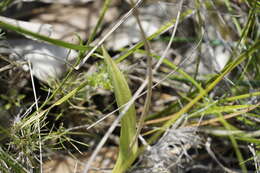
(112, 127)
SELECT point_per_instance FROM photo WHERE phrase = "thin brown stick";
(149, 76)
(206, 122)
(228, 116)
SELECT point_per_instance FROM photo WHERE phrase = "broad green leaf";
(128, 122)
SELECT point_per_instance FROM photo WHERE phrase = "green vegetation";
(67, 114)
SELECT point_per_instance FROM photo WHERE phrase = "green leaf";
(128, 122)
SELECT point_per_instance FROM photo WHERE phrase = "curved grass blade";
(42, 37)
